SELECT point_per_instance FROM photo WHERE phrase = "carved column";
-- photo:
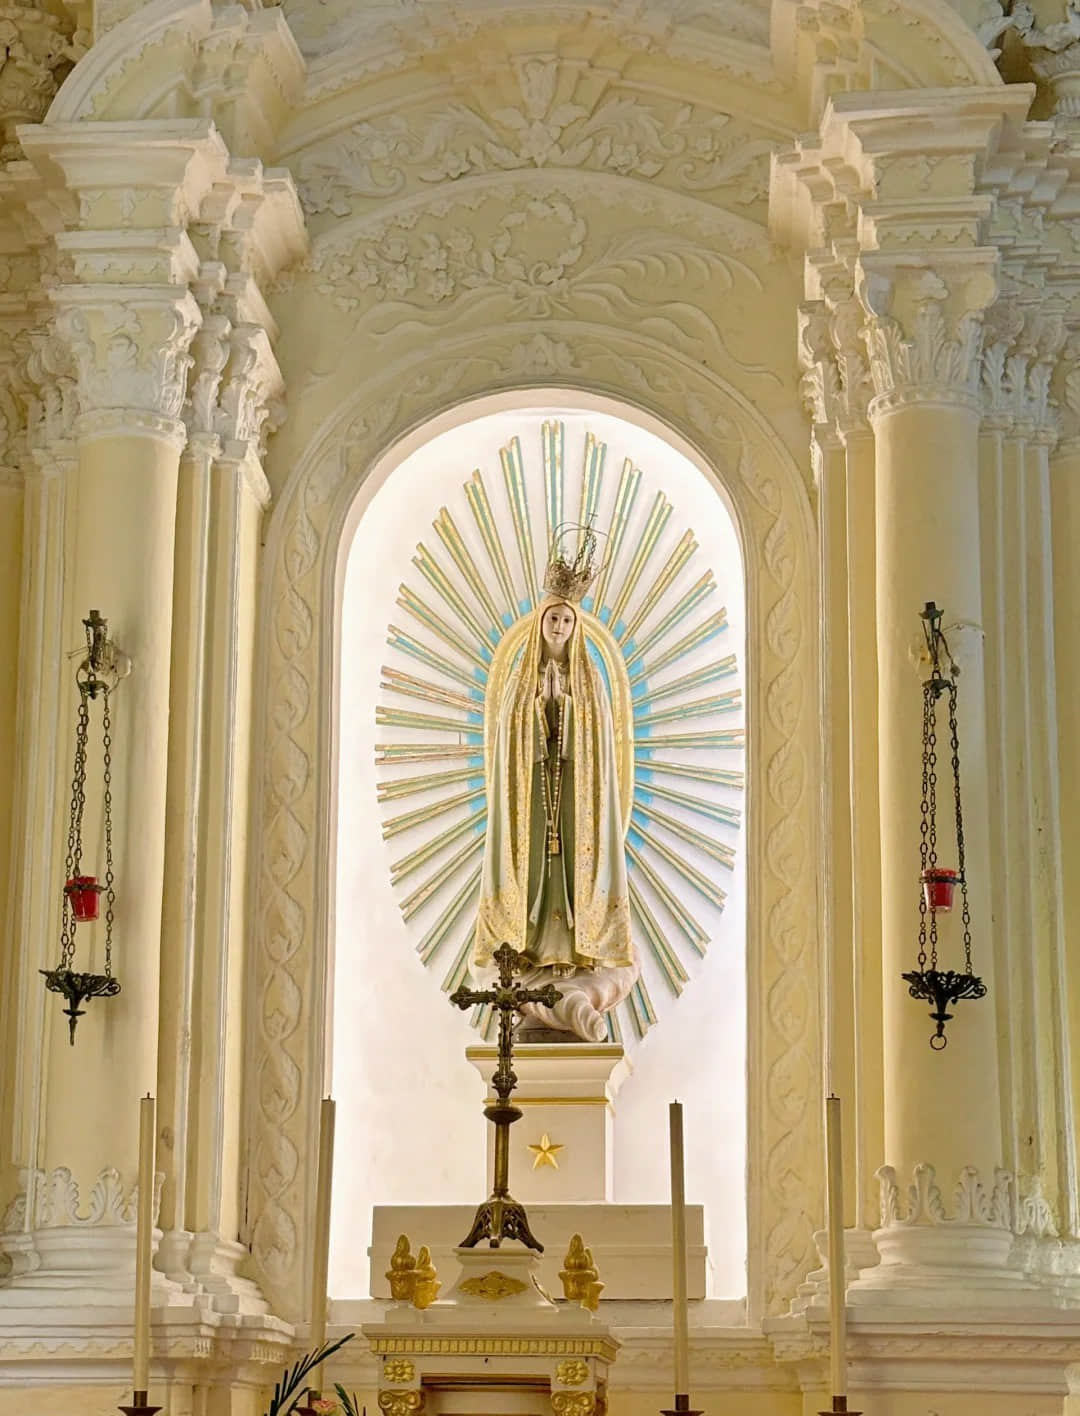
(1064, 489)
(128, 345)
(223, 494)
(1023, 340)
(49, 401)
(233, 404)
(924, 334)
(837, 389)
(909, 225)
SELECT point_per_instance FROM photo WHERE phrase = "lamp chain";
(74, 850)
(928, 823)
(110, 893)
(961, 871)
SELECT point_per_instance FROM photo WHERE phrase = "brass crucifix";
(501, 1216)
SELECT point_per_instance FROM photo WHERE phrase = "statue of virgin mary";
(553, 883)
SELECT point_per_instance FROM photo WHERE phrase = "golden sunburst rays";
(681, 728)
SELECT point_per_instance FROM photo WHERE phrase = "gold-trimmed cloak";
(521, 887)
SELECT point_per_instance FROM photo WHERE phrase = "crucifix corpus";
(501, 1216)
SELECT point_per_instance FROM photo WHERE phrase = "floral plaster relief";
(557, 114)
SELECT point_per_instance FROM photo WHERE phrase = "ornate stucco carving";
(563, 115)
(1021, 348)
(529, 252)
(1005, 1202)
(925, 338)
(56, 1201)
(129, 354)
(36, 51)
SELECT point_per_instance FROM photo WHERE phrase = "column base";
(988, 1248)
(967, 1261)
(215, 1265)
(79, 1266)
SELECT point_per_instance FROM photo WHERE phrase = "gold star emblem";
(545, 1152)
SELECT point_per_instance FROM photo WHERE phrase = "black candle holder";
(839, 1407)
(682, 1406)
(139, 1405)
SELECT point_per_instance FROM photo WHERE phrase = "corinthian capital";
(35, 54)
(129, 345)
(924, 329)
(836, 385)
(1021, 346)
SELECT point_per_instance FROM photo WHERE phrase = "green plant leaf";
(291, 1384)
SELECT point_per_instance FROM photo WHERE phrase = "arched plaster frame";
(295, 739)
(108, 84)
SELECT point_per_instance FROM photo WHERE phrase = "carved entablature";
(964, 261)
(166, 230)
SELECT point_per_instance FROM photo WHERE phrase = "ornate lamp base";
(839, 1407)
(499, 1218)
(139, 1406)
(77, 988)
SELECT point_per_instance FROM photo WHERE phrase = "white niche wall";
(409, 1123)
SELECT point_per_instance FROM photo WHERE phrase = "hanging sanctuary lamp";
(96, 676)
(944, 988)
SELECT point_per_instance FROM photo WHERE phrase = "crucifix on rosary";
(501, 1216)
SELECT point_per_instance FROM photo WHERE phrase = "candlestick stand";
(839, 1407)
(682, 1407)
(139, 1405)
(501, 1216)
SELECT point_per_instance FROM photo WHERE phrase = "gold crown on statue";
(570, 575)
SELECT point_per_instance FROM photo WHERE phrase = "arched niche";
(409, 1130)
(296, 736)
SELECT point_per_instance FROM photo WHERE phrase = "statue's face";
(556, 627)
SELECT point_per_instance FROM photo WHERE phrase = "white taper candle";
(834, 1172)
(321, 1257)
(678, 1250)
(144, 1242)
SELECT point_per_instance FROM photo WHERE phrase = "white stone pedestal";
(566, 1091)
(496, 1343)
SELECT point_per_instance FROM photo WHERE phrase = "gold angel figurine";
(401, 1274)
(426, 1280)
